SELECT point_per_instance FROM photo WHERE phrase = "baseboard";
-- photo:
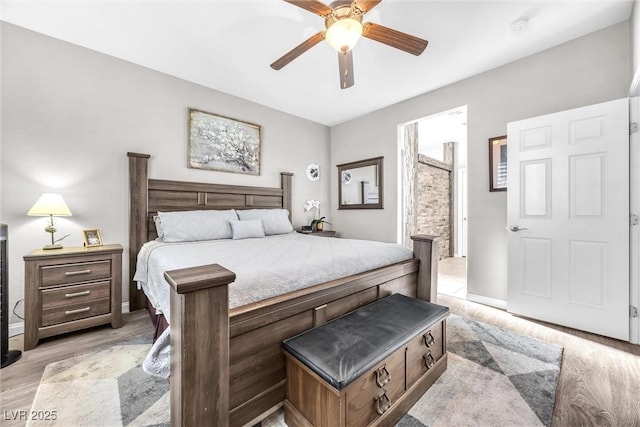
(492, 302)
(18, 327)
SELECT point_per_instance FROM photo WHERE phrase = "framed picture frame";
(92, 237)
(223, 144)
(498, 163)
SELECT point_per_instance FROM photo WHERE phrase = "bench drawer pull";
(383, 403)
(77, 294)
(429, 361)
(77, 273)
(382, 376)
(80, 310)
(428, 339)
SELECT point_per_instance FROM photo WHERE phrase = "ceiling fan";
(344, 27)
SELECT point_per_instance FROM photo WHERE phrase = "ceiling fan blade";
(298, 50)
(366, 5)
(312, 6)
(394, 38)
(345, 63)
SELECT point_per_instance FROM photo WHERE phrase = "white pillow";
(190, 226)
(247, 229)
(274, 221)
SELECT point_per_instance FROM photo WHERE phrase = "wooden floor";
(19, 382)
(599, 380)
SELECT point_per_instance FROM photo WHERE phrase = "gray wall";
(588, 70)
(69, 115)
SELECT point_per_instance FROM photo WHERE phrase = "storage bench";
(367, 367)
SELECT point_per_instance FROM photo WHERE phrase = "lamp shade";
(343, 35)
(50, 204)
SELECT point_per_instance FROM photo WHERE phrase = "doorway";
(433, 191)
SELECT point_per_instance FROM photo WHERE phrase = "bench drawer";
(371, 395)
(423, 352)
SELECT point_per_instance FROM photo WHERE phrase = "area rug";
(494, 378)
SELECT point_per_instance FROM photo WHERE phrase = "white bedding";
(264, 268)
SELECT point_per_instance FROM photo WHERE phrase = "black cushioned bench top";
(341, 350)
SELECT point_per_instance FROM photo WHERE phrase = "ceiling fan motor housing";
(341, 10)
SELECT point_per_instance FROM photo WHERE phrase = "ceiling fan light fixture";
(343, 34)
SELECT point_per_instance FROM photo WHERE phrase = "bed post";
(425, 248)
(200, 345)
(138, 206)
(285, 184)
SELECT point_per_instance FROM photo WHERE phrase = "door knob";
(515, 228)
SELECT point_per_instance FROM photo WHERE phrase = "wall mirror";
(360, 184)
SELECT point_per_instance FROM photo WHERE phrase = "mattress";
(264, 267)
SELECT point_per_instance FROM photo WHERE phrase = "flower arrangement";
(318, 223)
(310, 204)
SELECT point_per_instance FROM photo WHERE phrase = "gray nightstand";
(71, 288)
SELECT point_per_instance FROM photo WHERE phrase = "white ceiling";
(228, 45)
(447, 126)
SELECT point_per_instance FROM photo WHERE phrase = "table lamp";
(50, 204)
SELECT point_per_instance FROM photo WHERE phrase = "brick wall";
(433, 201)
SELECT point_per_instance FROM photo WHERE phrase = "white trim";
(462, 200)
(634, 89)
(18, 327)
(634, 208)
(491, 302)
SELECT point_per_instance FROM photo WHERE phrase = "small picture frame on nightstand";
(92, 237)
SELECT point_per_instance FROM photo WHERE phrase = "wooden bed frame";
(227, 366)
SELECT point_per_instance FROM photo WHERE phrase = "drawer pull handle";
(77, 294)
(383, 403)
(77, 273)
(80, 310)
(429, 361)
(383, 376)
(428, 339)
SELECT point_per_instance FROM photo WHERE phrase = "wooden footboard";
(230, 370)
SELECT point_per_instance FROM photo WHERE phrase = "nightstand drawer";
(71, 273)
(75, 311)
(76, 294)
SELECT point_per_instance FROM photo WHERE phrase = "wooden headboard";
(148, 196)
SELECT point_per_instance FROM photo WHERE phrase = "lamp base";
(50, 247)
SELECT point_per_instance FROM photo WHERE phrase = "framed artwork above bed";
(224, 144)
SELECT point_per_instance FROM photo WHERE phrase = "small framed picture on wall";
(498, 163)
(92, 237)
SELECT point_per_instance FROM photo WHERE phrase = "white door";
(462, 205)
(568, 218)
